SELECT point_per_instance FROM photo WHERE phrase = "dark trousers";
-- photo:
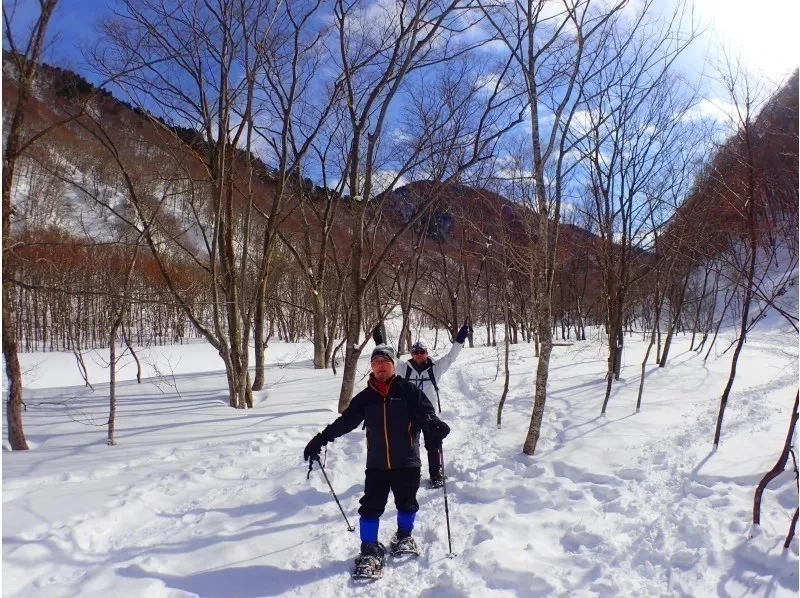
(403, 483)
(434, 467)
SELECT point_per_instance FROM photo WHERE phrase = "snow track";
(194, 501)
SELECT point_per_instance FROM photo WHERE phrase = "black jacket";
(393, 423)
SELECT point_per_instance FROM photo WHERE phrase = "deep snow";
(198, 499)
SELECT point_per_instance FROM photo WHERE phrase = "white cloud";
(720, 110)
(763, 33)
(488, 83)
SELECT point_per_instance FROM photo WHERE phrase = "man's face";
(419, 356)
(383, 368)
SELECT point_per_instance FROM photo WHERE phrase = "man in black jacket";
(393, 411)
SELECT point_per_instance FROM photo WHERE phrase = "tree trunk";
(318, 306)
(748, 293)
(545, 344)
(792, 527)
(544, 317)
(779, 466)
(112, 385)
(332, 323)
(259, 346)
(16, 435)
(352, 352)
(674, 321)
(728, 301)
(127, 338)
(11, 153)
(658, 299)
(699, 308)
(505, 368)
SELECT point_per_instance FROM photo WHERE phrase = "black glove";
(314, 448)
(437, 431)
(462, 333)
(377, 336)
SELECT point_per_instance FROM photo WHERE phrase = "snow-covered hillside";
(198, 499)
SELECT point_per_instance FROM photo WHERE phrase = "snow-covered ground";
(198, 499)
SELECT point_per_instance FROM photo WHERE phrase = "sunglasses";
(418, 352)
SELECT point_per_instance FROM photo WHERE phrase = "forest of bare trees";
(298, 170)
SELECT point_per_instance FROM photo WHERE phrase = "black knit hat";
(419, 346)
(386, 351)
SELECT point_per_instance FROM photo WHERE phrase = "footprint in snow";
(531, 502)
(482, 534)
(660, 460)
(577, 475)
(534, 471)
(619, 506)
(578, 538)
(700, 491)
(684, 559)
(632, 474)
(482, 495)
(604, 494)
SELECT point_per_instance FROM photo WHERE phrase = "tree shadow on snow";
(242, 582)
(754, 571)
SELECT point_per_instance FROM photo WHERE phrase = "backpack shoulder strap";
(408, 370)
(433, 378)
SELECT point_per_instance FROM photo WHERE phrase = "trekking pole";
(450, 554)
(438, 400)
(350, 528)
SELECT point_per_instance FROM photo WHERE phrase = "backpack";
(430, 370)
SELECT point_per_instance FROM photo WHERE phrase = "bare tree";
(26, 54)
(635, 113)
(379, 51)
(120, 308)
(200, 65)
(408, 273)
(747, 95)
(776, 470)
(297, 106)
(552, 47)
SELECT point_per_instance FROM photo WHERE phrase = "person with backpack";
(425, 373)
(394, 411)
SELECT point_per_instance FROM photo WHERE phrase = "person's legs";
(373, 503)
(405, 484)
(434, 467)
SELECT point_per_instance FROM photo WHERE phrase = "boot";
(437, 478)
(370, 562)
(403, 543)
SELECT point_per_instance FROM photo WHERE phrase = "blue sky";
(764, 36)
(71, 28)
(763, 32)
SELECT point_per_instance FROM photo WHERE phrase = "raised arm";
(443, 364)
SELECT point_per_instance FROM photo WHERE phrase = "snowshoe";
(369, 564)
(403, 544)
